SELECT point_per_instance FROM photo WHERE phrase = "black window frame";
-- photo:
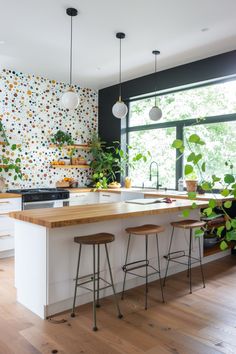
(179, 125)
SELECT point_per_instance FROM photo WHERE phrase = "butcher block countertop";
(154, 193)
(83, 214)
(9, 195)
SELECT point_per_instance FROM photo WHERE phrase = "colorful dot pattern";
(31, 113)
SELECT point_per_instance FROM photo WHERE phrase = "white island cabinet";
(7, 225)
(46, 255)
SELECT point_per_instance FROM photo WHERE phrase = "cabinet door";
(6, 223)
(11, 204)
(107, 197)
(83, 198)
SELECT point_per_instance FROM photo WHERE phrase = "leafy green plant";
(7, 163)
(109, 161)
(62, 138)
(196, 163)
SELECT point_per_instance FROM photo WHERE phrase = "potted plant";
(110, 161)
(191, 182)
(61, 138)
(195, 161)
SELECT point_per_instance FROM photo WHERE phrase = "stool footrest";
(176, 254)
(135, 265)
(156, 271)
(175, 259)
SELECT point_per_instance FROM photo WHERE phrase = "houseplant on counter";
(110, 161)
(196, 163)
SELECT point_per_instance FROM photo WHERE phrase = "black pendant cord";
(120, 74)
(71, 38)
(155, 79)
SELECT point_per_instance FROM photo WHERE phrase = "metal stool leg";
(200, 260)
(168, 261)
(76, 282)
(159, 268)
(112, 284)
(94, 292)
(126, 260)
(98, 276)
(190, 260)
(146, 256)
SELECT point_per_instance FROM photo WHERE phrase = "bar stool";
(95, 240)
(144, 230)
(175, 256)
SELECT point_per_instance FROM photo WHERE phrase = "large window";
(209, 110)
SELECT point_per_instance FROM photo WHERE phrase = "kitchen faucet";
(157, 175)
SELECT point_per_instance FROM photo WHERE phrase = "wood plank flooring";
(203, 323)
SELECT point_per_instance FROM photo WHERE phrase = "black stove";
(41, 194)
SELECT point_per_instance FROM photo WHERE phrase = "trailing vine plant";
(197, 163)
(7, 163)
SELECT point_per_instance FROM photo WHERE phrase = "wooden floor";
(204, 322)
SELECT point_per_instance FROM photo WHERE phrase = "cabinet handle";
(106, 195)
(4, 202)
(7, 235)
(5, 214)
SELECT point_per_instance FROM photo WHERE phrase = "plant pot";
(210, 241)
(128, 182)
(191, 185)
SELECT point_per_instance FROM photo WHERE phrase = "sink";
(145, 201)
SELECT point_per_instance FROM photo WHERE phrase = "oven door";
(44, 204)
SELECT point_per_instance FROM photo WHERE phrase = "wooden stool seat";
(188, 224)
(95, 239)
(145, 229)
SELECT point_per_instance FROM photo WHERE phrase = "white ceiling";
(36, 36)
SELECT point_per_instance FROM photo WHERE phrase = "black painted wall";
(218, 66)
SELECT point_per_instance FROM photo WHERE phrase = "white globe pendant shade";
(155, 113)
(70, 100)
(120, 109)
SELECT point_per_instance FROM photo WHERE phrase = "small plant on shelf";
(61, 138)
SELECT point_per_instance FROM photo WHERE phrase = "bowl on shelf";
(114, 185)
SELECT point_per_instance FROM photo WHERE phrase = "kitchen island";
(46, 256)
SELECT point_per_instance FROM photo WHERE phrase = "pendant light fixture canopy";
(155, 113)
(70, 99)
(120, 110)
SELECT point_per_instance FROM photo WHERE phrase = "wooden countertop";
(154, 193)
(9, 195)
(83, 214)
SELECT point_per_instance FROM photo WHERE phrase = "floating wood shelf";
(70, 166)
(76, 146)
(3, 143)
(3, 166)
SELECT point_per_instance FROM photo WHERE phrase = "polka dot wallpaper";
(30, 112)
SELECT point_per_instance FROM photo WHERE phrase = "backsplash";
(30, 112)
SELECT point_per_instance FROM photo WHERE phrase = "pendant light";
(70, 99)
(155, 113)
(120, 109)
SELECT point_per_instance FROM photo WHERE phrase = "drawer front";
(11, 204)
(6, 241)
(83, 198)
(6, 223)
(109, 197)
